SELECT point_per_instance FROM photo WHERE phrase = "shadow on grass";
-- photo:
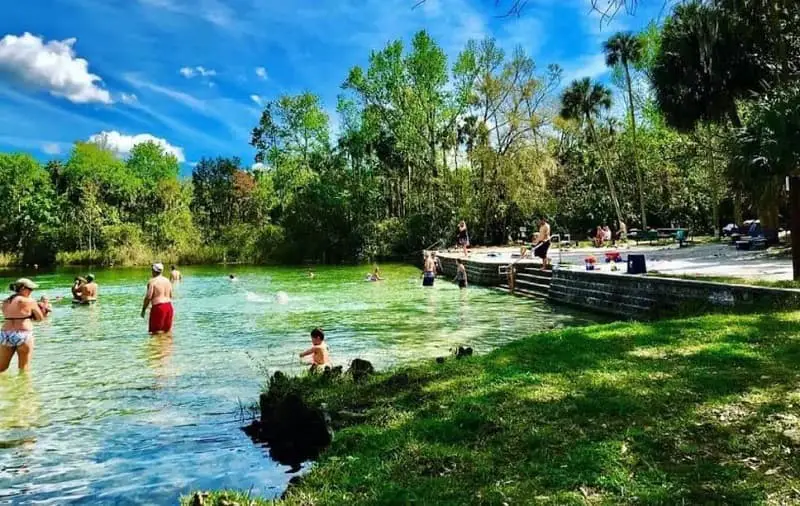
(688, 411)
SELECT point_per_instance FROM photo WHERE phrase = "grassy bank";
(734, 280)
(695, 411)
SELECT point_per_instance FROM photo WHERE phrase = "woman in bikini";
(16, 335)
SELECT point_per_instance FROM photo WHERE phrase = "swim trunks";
(541, 249)
(161, 318)
(14, 338)
(462, 283)
(427, 279)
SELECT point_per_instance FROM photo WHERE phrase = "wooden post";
(794, 216)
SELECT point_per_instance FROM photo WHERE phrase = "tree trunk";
(639, 178)
(737, 207)
(607, 172)
(794, 211)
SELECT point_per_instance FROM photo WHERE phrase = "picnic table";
(660, 234)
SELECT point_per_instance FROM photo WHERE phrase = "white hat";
(158, 267)
(26, 283)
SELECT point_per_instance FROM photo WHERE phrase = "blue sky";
(191, 73)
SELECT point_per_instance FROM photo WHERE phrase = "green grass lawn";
(696, 411)
(768, 283)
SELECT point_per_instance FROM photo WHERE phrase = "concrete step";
(536, 271)
(523, 292)
(536, 278)
(530, 285)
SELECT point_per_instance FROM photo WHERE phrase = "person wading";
(89, 290)
(159, 298)
(16, 335)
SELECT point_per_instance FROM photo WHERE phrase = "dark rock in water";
(332, 372)
(360, 369)
(440, 360)
(294, 430)
(199, 498)
(463, 352)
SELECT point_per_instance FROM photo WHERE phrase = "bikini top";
(16, 318)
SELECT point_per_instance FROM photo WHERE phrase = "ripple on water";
(110, 415)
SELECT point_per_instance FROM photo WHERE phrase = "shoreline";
(615, 413)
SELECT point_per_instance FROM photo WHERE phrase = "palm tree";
(583, 101)
(623, 48)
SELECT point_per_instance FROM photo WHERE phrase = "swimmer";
(174, 274)
(16, 335)
(232, 277)
(159, 298)
(318, 350)
(461, 274)
(310, 275)
(45, 306)
(376, 274)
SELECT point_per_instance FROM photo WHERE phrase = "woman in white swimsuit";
(16, 335)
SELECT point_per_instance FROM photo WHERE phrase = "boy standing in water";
(461, 274)
(318, 350)
(159, 298)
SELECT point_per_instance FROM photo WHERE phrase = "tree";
(30, 218)
(624, 49)
(583, 101)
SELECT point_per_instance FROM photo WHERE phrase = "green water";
(110, 415)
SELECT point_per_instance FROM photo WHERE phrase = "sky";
(193, 75)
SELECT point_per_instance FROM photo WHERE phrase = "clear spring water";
(110, 415)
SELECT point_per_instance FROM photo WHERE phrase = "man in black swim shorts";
(541, 248)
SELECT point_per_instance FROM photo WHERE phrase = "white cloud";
(258, 100)
(178, 96)
(122, 144)
(51, 148)
(52, 66)
(190, 72)
(261, 72)
(590, 65)
(128, 98)
(258, 166)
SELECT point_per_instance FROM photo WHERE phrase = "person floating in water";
(45, 306)
(376, 275)
(429, 271)
(174, 274)
(88, 292)
(232, 277)
(461, 274)
(310, 274)
(159, 298)
(16, 333)
(318, 351)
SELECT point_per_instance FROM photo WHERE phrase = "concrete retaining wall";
(479, 273)
(647, 297)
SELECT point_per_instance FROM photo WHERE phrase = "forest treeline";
(702, 131)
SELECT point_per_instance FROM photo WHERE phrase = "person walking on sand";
(541, 248)
(159, 298)
(20, 310)
(175, 275)
(463, 236)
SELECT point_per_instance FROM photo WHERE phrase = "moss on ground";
(693, 411)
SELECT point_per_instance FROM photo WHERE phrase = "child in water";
(44, 305)
(461, 274)
(318, 350)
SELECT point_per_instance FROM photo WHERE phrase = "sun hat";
(158, 267)
(25, 283)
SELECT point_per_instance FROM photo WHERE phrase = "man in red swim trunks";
(159, 298)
